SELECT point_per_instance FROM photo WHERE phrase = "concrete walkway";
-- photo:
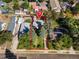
(15, 36)
(45, 45)
(72, 50)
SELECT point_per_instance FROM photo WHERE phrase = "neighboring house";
(12, 24)
(55, 5)
(15, 20)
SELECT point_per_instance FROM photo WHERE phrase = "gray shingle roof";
(12, 24)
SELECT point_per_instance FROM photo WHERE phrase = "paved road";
(50, 56)
(39, 56)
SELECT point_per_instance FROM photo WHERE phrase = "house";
(55, 5)
(12, 24)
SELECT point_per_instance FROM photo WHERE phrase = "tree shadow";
(9, 54)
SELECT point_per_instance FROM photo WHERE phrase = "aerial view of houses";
(39, 24)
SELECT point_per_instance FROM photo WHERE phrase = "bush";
(15, 4)
(37, 41)
(24, 41)
(64, 42)
(76, 43)
(28, 20)
(7, 1)
(77, 7)
(5, 36)
(25, 5)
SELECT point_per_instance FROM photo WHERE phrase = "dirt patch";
(5, 18)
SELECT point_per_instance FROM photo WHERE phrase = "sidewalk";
(24, 51)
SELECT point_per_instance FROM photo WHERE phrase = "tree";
(73, 26)
(5, 36)
(64, 42)
(7, 1)
(76, 43)
(74, 32)
(37, 41)
(40, 0)
(77, 7)
(15, 4)
(24, 41)
(25, 5)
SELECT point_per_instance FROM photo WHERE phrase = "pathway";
(15, 37)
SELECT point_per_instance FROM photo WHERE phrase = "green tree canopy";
(5, 36)
(24, 41)
(37, 41)
(7, 1)
(76, 43)
(73, 25)
(25, 5)
(15, 4)
(64, 42)
(77, 7)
